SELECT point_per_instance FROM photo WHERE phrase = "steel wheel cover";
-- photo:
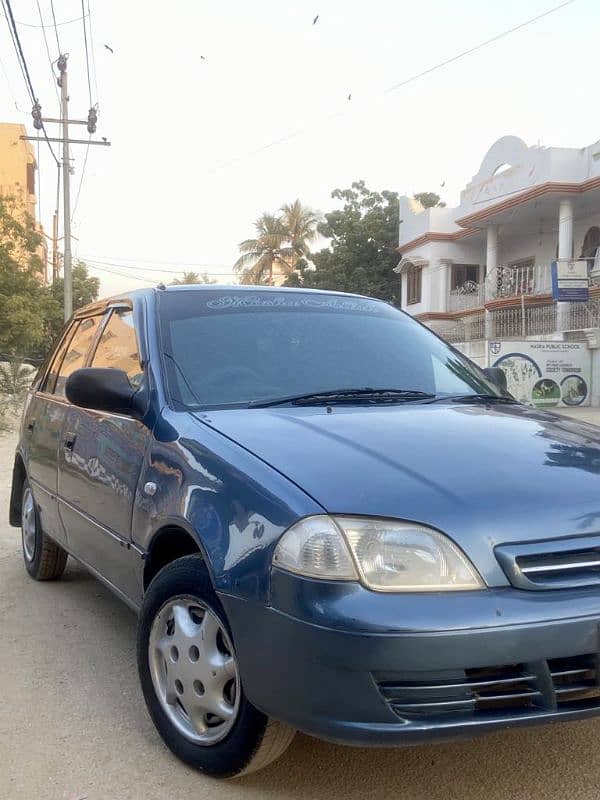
(28, 525)
(194, 671)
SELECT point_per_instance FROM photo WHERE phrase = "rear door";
(45, 419)
(99, 464)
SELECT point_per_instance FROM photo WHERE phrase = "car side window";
(50, 380)
(118, 347)
(76, 352)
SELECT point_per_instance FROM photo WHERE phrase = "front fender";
(234, 504)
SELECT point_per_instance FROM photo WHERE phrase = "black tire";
(255, 740)
(45, 560)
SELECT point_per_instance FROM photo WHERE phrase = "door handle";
(69, 441)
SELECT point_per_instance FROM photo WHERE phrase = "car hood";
(482, 474)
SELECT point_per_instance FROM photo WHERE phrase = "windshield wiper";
(365, 394)
(476, 398)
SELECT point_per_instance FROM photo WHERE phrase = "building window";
(591, 247)
(413, 285)
(464, 274)
(31, 178)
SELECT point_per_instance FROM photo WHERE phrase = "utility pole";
(66, 169)
(64, 121)
(54, 246)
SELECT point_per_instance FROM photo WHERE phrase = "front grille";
(554, 564)
(510, 689)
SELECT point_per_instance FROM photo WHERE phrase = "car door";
(100, 459)
(45, 418)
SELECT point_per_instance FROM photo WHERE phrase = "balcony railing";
(464, 298)
(515, 281)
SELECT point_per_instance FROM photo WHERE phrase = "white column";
(442, 270)
(565, 250)
(491, 260)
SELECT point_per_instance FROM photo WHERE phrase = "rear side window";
(50, 382)
(75, 353)
(118, 348)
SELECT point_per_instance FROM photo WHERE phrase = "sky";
(219, 111)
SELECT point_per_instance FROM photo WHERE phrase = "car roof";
(128, 297)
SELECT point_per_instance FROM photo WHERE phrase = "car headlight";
(386, 555)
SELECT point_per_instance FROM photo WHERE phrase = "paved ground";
(73, 724)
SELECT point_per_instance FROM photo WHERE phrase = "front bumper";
(353, 666)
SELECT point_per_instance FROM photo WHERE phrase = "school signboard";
(544, 374)
(570, 280)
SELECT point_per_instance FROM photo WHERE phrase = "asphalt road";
(73, 723)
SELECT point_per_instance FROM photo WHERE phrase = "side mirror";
(103, 389)
(497, 376)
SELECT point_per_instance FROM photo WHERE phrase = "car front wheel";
(191, 681)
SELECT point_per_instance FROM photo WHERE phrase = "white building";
(482, 270)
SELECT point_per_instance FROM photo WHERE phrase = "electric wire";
(35, 25)
(23, 65)
(394, 87)
(87, 54)
(55, 25)
(48, 52)
(85, 158)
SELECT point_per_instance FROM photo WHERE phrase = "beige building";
(17, 176)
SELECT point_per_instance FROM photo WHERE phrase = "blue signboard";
(570, 280)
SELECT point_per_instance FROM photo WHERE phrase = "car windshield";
(236, 347)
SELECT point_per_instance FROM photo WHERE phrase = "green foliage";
(191, 277)
(85, 290)
(31, 314)
(363, 238)
(429, 200)
(15, 378)
(22, 295)
(281, 242)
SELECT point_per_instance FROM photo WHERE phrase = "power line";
(33, 25)
(55, 26)
(87, 59)
(87, 150)
(89, 14)
(48, 52)
(187, 267)
(23, 64)
(410, 79)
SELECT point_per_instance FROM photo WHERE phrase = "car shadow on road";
(554, 761)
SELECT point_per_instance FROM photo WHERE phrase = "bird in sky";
(109, 48)
(202, 58)
(349, 97)
(442, 184)
(315, 20)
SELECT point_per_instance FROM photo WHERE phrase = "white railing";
(515, 281)
(469, 295)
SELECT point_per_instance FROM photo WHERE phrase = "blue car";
(328, 520)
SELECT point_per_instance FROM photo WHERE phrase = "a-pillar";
(565, 250)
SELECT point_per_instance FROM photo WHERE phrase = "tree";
(300, 223)
(363, 245)
(281, 244)
(191, 277)
(85, 291)
(259, 256)
(429, 200)
(24, 301)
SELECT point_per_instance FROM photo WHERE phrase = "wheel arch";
(170, 542)
(19, 476)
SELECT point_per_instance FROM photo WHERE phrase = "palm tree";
(267, 250)
(300, 223)
(281, 242)
(191, 277)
